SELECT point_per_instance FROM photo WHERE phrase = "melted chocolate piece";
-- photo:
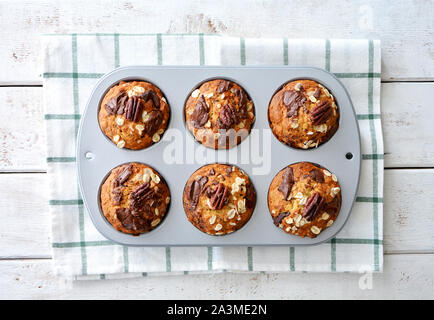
(250, 196)
(316, 175)
(194, 189)
(277, 220)
(293, 100)
(116, 104)
(223, 86)
(200, 114)
(317, 93)
(154, 121)
(287, 182)
(117, 195)
(139, 195)
(132, 220)
(123, 176)
(150, 95)
(242, 109)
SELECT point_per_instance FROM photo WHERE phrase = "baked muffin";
(134, 198)
(219, 114)
(304, 199)
(134, 114)
(219, 199)
(303, 114)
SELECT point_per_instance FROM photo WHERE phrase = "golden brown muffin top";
(304, 199)
(219, 114)
(303, 114)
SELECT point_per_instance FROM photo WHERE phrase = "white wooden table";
(407, 33)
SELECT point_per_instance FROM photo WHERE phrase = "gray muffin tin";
(97, 155)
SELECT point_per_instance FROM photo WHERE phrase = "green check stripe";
(292, 258)
(285, 52)
(333, 254)
(368, 116)
(74, 74)
(72, 116)
(369, 199)
(129, 34)
(372, 156)
(71, 202)
(61, 159)
(356, 75)
(82, 244)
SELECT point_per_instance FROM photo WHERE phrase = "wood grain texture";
(22, 131)
(405, 277)
(406, 30)
(406, 116)
(408, 225)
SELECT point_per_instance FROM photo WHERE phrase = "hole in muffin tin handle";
(349, 155)
(89, 156)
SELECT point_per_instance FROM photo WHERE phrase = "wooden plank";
(25, 227)
(408, 220)
(22, 131)
(406, 116)
(408, 131)
(404, 277)
(406, 30)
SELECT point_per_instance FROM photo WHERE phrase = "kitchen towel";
(72, 65)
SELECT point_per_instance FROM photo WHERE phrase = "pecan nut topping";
(200, 114)
(293, 100)
(139, 195)
(194, 189)
(223, 86)
(154, 121)
(321, 113)
(133, 108)
(220, 197)
(116, 104)
(228, 117)
(277, 220)
(242, 110)
(314, 205)
(287, 182)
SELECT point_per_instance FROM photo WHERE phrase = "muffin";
(219, 114)
(304, 199)
(219, 199)
(134, 198)
(303, 114)
(134, 114)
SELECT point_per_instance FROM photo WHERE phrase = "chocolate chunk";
(287, 182)
(132, 220)
(228, 117)
(316, 175)
(200, 114)
(228, 170)
(293, 100)
(150, 95)
(117, 195)
(211, 172)
(209, 192)
(123, 176)
(223, 86)
(317, 93)
(314, 205)
(250, 196)
(154, 121)
(117, 103)
(332, 206)
(321, 113)
(220, 197)
(139, 195)
(277, 220)
(194, 189)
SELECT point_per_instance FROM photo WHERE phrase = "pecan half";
(220, 197)
(321, 113)
(194, 189)
(223, 86)
(200, 114)
(139, 195)
(116, 104)
(314, 205)
(228, 117)
(277, 220)
(287, 182)
(293, 100)
(154, 121)
(133, 108)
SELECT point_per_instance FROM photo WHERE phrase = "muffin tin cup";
(97, 155)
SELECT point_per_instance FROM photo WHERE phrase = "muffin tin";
(97, 155)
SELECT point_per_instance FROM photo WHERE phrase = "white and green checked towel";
(72, 65)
